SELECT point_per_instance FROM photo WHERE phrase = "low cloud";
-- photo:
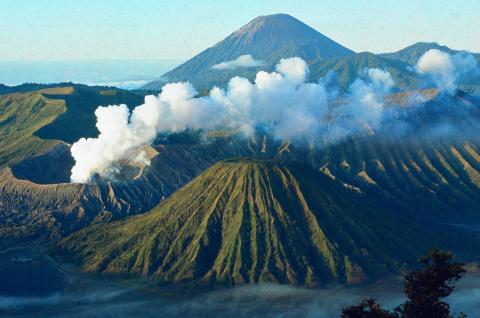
(127, 84)
(266, 300)
(243, 61)
(365, 107)
(445, 69)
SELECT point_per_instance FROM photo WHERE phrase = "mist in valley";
(34, 285)
(244, 301)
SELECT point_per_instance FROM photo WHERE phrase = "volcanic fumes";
(283, 104)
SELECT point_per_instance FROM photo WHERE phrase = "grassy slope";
(432, 170)
(79, 119)
(434, 183)
(31, 122)
(20, 116)
(253, 221)
(29, 87)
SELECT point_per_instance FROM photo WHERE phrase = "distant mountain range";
(272, 37)
(127, 74)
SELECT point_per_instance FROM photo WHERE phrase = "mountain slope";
(36, 200)
(246, 220)
(267, 38)
(33, 118)
(412, 53)
(424, 162)
(29, 87)
(21, 115)
(349, 68)
(79, 118)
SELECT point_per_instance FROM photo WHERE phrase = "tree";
(425, 290)
(368, 308)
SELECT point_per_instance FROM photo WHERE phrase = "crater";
(51, 167)
(128, 169)
(55, 165)
(120, 173)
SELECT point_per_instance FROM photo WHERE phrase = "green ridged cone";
(246, 220)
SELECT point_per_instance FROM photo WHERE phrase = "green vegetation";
(427, 179)
(79, 119)
(33, 119)
(20, 116)
(425, 290)
(250, 220)
(29, 87)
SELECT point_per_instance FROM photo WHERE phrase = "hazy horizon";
(127, 74)
(127, 46)
(163, 30)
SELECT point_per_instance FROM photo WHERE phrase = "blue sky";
(177, 29)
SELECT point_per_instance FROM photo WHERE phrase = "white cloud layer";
(445, 69)
(243, 61)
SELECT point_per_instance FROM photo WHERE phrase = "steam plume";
(445, 69)
(282, 103)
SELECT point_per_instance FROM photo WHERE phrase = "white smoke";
(282, 103)
(365, 106)
(245, 61)
(445, 69)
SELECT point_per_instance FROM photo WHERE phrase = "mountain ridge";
(413, 52)
(349, 68)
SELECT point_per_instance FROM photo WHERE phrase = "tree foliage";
(425, 290)
(368, 308)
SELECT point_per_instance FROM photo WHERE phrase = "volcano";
(251, 220)
(267, 38)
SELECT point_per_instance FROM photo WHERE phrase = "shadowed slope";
(246, 221)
